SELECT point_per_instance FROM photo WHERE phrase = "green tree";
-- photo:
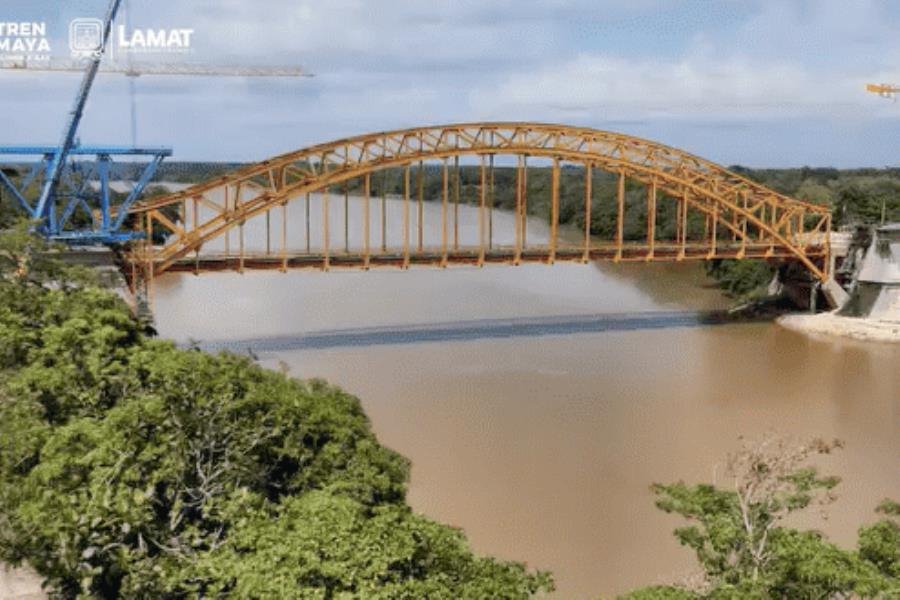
(335, 546)
(741, 278)
(132, 468)
(745, 551)
(880, 543)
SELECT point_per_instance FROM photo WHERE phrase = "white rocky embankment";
(832, 324)
(872, 312)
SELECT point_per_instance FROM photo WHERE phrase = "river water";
(539, 441)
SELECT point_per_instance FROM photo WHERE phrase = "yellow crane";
(885, 90)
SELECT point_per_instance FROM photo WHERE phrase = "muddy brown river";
(542, 446)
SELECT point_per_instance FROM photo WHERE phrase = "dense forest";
(130, 468)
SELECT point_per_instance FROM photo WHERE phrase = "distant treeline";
(857, 196)
(185, 172)
(177, 171)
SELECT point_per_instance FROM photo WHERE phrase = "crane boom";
(68, 137)
(146, 68)
(885, 90)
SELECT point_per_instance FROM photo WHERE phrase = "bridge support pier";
(834, 293)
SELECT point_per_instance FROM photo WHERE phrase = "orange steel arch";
(743, 219)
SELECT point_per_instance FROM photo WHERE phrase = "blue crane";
(74, 202)
(55, 206)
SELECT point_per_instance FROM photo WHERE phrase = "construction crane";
(57, 161)
(66, 187)
(885, 90)
(146, 68)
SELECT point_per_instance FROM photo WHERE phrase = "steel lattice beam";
(75, 191)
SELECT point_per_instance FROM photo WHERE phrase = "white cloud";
(386, 34)
(737, 88)
(382, 64)
(785, 60)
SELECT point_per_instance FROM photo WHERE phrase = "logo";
(25, 41)
(150, 41)
(86, 40)
(85, 37)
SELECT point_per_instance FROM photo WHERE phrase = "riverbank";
(831, 324)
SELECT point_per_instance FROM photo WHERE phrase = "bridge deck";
(437, 257)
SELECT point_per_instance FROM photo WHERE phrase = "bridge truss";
(195, 229)
(83, 208)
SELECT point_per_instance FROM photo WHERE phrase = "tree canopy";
(743, 548)
(133, 468)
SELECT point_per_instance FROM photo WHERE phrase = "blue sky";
(752, 82)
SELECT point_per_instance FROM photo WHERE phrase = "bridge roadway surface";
(472, 256)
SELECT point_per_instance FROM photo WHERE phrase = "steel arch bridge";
(740, 219)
